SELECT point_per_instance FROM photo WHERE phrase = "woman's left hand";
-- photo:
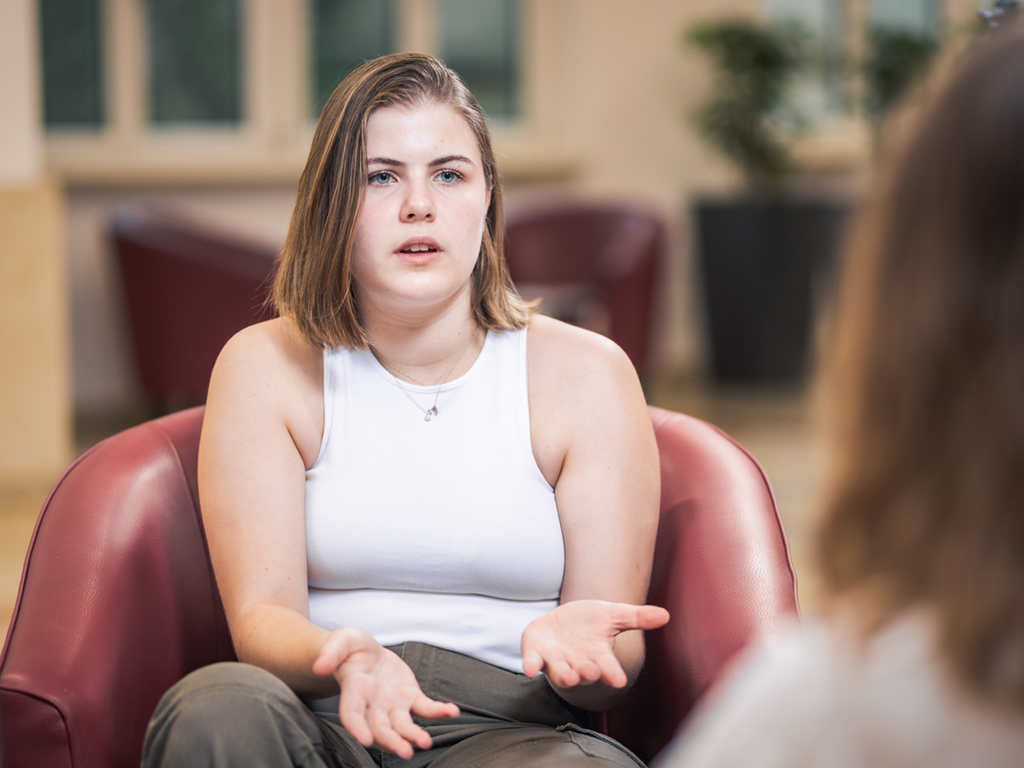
(575, 643)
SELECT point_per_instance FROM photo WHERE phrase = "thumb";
(625, 617)
(651, 617)
(333, 652)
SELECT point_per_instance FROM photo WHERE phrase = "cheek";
(362, 250)
(368, 229)
(472, 216)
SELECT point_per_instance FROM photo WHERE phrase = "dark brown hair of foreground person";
(927, 503)
(314, 284)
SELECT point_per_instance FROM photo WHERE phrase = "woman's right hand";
(379, 693)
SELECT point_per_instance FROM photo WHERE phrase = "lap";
(507, 721)
(233, 714)
(525, 746)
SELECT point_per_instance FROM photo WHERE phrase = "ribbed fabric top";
(442, 531)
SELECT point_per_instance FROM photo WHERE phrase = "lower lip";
(419, 258)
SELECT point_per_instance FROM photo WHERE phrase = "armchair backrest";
(605, 251)
(187, 291)
(721, 568)
(118, 599)
(117, 602)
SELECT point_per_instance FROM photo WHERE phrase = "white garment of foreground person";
(820, 696)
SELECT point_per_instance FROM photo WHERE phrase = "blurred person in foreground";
(918, 659)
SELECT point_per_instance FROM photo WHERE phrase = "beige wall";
(35, 403)
(20, 138)
(628, 87)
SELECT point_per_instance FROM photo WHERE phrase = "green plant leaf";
(754, 64)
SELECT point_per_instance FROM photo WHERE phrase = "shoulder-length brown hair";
(927, 500)
(314, 284)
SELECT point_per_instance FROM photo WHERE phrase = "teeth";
(418, 248)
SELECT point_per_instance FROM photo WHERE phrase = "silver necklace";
(431, 412)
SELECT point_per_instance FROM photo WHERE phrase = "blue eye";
(448, 176)
(381, 177)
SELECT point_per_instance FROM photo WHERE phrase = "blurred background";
(745, 130)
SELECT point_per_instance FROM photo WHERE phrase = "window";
(894, 39)
(902, 37)
(195, 61)
(72, 46)
(920, 17)
(228, 89)
(344, 34)
(480, 41)
(820, 97)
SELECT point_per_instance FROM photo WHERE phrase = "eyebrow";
(434, 163)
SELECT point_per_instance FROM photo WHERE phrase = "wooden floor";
(776, 425)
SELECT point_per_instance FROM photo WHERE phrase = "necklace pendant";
(427, 416)
(433, 411)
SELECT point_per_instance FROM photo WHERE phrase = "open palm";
(575, 643)
(379, 693)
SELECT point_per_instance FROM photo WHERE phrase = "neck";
(424, 353)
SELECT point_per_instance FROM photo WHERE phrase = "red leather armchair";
(574, 255)
(118, 599)
(187, 291)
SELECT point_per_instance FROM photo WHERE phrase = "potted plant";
(896, 59)
(759, 251)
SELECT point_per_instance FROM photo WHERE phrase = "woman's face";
(419, 233)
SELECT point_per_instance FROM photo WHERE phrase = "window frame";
(843, 141)
(270, 143)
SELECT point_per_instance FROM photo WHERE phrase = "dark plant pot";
(762, 262)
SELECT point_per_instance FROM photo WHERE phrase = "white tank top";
(443, 531)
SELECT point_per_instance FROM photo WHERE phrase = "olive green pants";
(239, 715)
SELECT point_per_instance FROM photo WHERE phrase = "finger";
(586, 668)
(533, 663)
(562, 674)
(403, 725)
(611, 671)
(424, 706)
(384, 734)
(352, 713)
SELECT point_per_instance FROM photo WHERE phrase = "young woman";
(920, 658)
(418, 495)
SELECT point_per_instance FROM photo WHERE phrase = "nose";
(418, 204)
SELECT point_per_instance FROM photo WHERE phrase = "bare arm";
(594, 441)
(262, 429)
(261, 418)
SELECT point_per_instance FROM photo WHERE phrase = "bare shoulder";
(567, 359)
(585, 398)
(269, 372)
(272, 349)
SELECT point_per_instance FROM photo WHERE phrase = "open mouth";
(419, 248)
